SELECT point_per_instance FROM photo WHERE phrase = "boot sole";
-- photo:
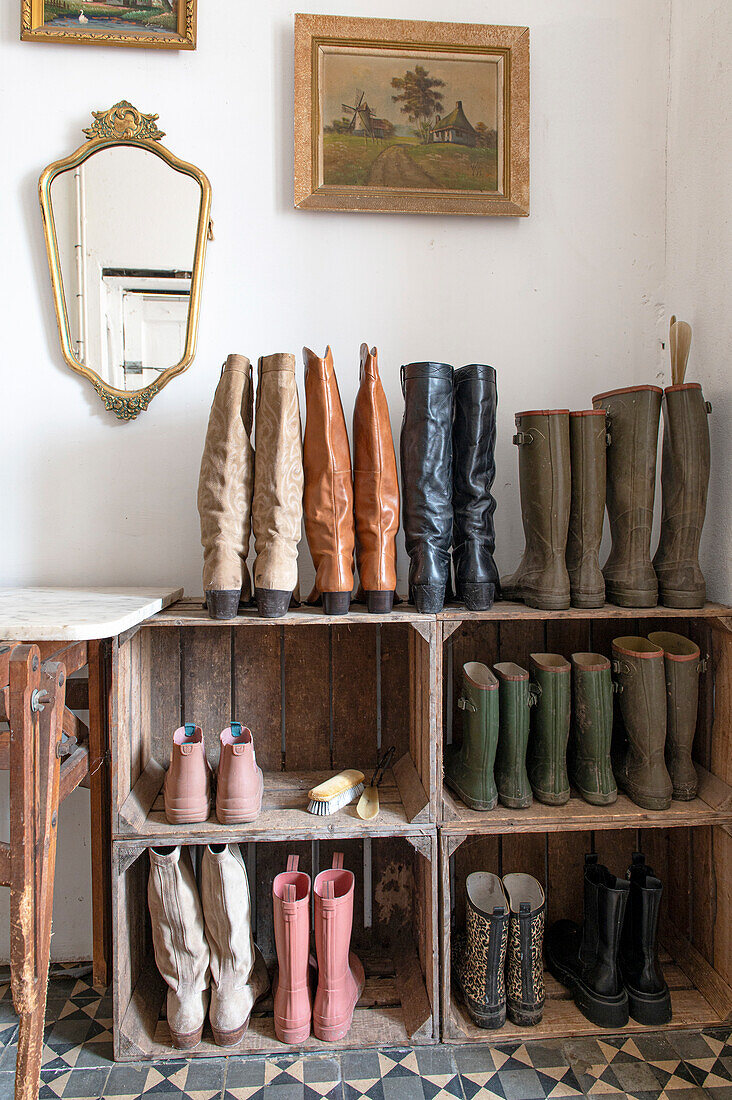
(187, 817)
(610, 1012)
(331, 1033)
(646, 802)
(492, 1020)
(680, 599)
(472, 803)
(336, 603)
(237, 817)
(627, 598)
(477, 597)
(551, 799)
(525, 1017)
(272, 603)
(186, 1042)
(515, 803)
(588, 602)
(684, 794)
(650, 1008)
(379, 603)
(546, 603)
(598, 799)
(429, 599)
(230, 1038)
(292, 1036)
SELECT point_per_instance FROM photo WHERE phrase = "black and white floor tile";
(77, 1063)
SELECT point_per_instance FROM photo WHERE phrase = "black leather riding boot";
(586, 959)
(649, 999)
(473, 471)
(426, 458)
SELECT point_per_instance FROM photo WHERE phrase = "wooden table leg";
(101, 804)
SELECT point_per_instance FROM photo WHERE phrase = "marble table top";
(77, 614)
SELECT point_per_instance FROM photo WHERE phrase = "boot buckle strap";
(401, 379)
(466, 704)
(708, 407)
(534, 694)
(704, 663)
(522, 438)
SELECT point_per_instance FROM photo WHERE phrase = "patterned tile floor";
(77, 1062)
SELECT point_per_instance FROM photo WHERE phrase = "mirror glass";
(126, 227)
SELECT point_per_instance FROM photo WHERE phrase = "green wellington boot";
(469, 768)
(632, 415)
(515, 696)
(683, 663)
(547, 755)
(588, 447)
(685, 463)
(638, 665)
(541, 579)
(590, 768)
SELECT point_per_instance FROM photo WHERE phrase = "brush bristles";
(324, 807)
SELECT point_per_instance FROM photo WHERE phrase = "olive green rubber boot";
(685, 464)
(638, 665)
(682, 665)
(588, 446)
(632, 418)
(514, 699)
(590, 738)
(469, 768)
(547, 754)
(541, 579)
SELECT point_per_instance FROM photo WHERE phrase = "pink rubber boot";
(239, 781)
(292, 997)
(340, 974)
(187, 784)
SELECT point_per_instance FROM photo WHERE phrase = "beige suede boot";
(238, 973)
(278, 485)
(181, 950)
(225, 491)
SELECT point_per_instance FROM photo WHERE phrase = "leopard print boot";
(479, 955)
(525, 963)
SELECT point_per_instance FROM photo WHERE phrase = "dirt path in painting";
(395, 168)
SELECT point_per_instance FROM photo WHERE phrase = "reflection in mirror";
(126, 227)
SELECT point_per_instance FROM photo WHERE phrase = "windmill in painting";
(363, 121)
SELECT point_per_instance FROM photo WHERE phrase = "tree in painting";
(418, 97)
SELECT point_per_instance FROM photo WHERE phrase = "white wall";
(565, 303)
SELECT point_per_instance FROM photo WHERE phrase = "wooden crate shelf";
(393, 933)
(701, 994)
(508, 611)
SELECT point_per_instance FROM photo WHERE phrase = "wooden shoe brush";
(335, 793)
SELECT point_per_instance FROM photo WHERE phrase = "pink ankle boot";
(187, 784)
(292, 996)
(239, 781)
(340, 974)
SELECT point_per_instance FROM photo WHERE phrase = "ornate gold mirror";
(126, 225)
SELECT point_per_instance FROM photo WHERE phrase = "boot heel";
(429, 599)
(223, 604)
(186, 1042)
(336, 603)
(478, 597)
(380, 603)
(272, 603)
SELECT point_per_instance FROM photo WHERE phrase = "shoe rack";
(320, 694)
(689, 845)
(324, 693)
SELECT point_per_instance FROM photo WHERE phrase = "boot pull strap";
(466, 704)
(534, 693)
(190, 728)
(337, 864)
(328, 890)
(591, 859)
(235, 728)
(703, 663)
(608, 428)
(290, 892)
(707, 407)
(401, 379)
(522, 438)
(293, 862)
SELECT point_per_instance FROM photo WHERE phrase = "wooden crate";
(695, 956)
(319, 694)
(394, 933)
(510, 632)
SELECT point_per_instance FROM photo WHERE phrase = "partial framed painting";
(410, 117)
(158, 24)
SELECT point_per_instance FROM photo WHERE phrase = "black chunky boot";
(586, 959)
(473, 471)
(426, 458)
(649, 1000)
(479, 955)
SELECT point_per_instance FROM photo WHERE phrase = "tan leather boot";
(238, 972)
(187, 783)
(328, 486)
(278, 485)
(375, 489)
(181, 950)
(225, 491)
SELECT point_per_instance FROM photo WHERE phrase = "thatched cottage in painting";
(454, 128)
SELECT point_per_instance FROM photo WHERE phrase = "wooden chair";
(46, 751)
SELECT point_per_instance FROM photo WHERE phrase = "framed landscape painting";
(410, 117)
(161, 24)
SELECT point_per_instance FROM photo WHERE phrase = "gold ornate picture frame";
(159, 25)
(396, 116)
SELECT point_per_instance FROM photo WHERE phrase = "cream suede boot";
(238, 973)
(181, 950)
(225, 491)
(278, 485)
